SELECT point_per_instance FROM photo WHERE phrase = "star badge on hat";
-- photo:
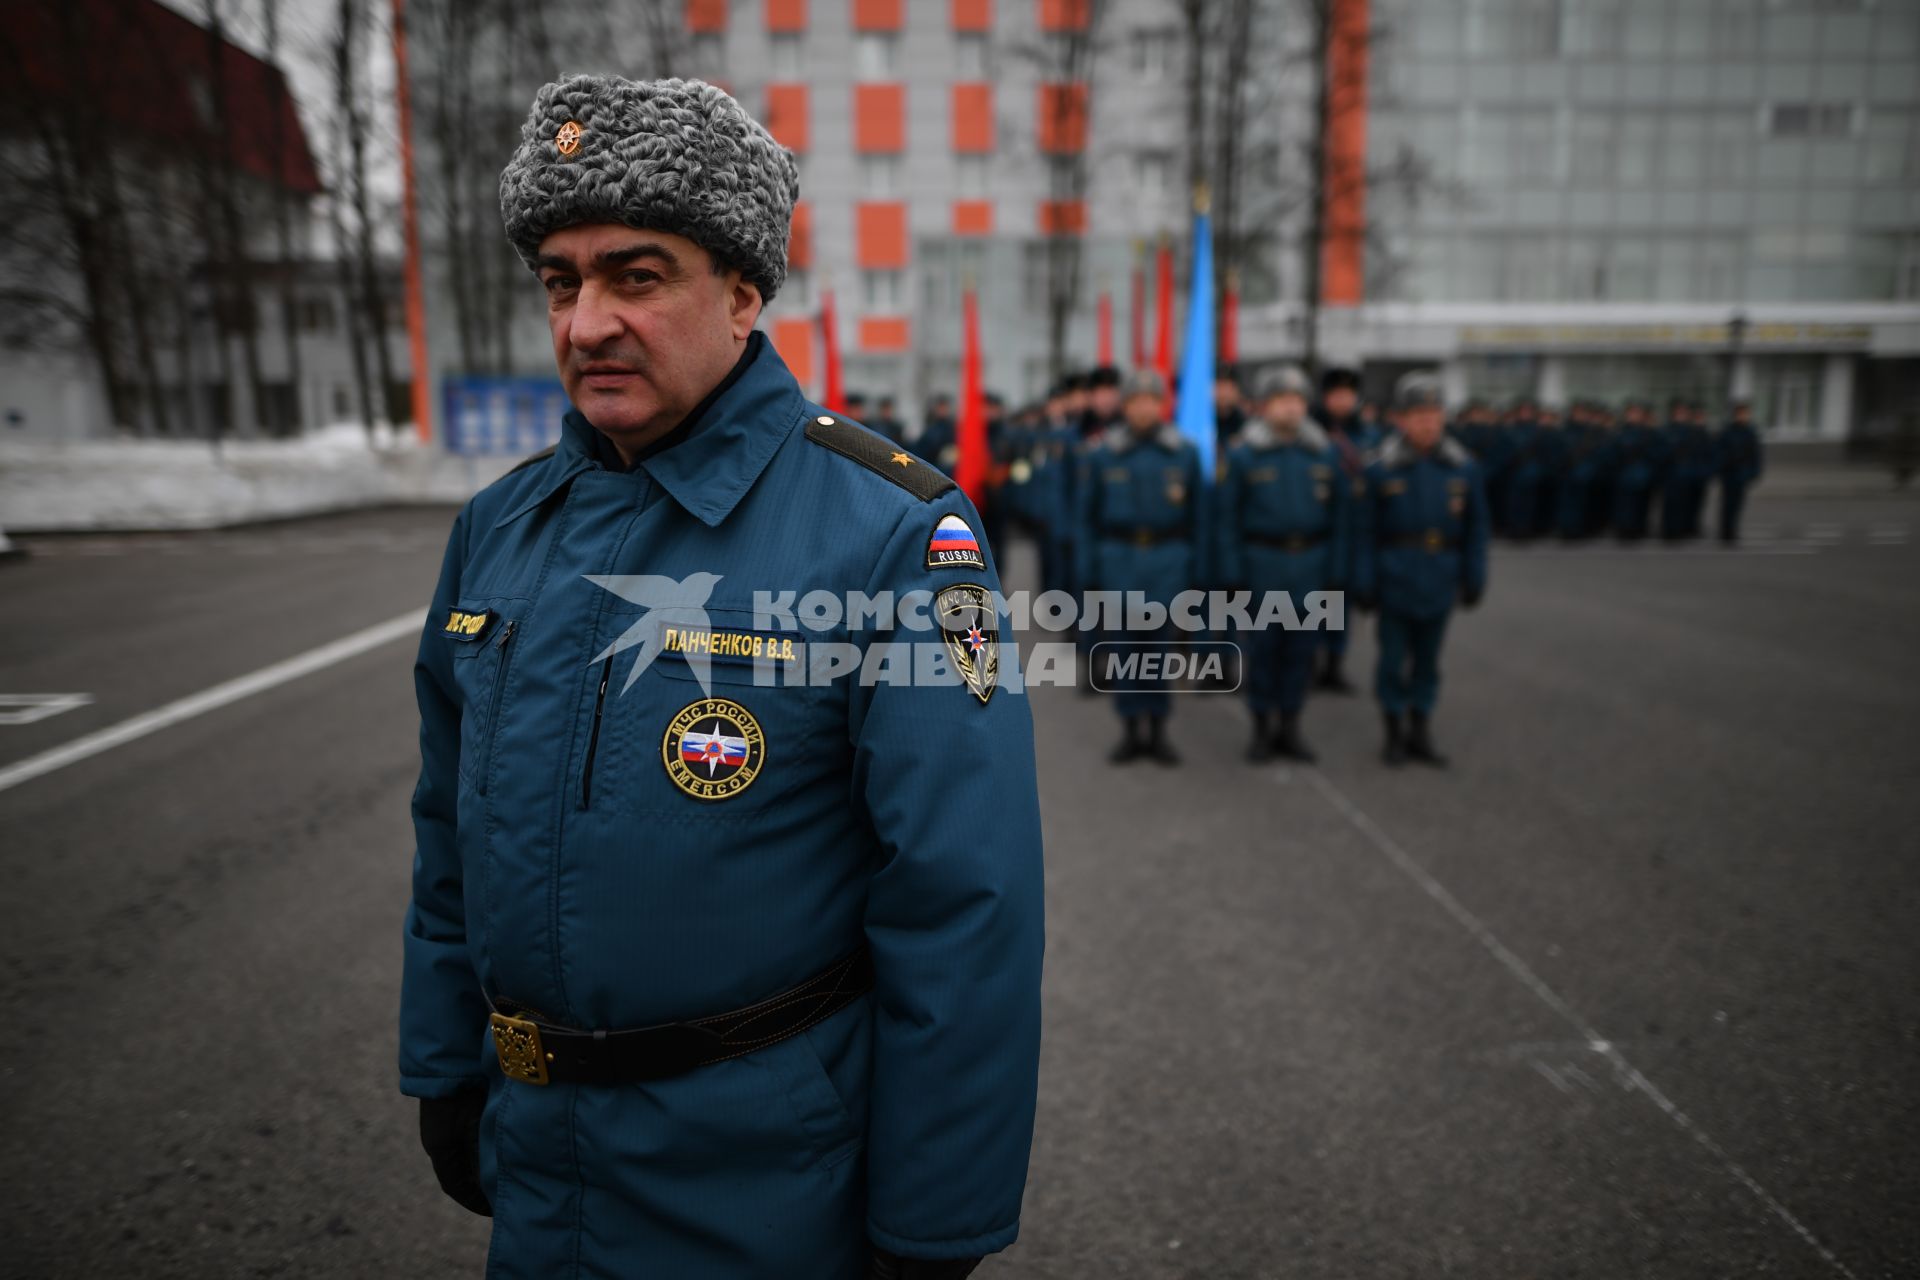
(567, 140)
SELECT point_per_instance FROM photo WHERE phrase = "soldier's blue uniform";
(1639, 462)
(1738, 460)
(1421, 547)
(572, 863)
(1690, 467)
(1142, 526)
(1282, 516)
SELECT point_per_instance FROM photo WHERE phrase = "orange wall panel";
(706, 15)
(1062, 118)
(973, 117)
(793, 339)
(972, 15)
(787, 115)
(786, 15)
(885, 333)
(1063, 217)
(1343, 249)
(879, 117)
(880, 235)
(973, 217)
(800, 237)
(877, 15)
(1063, 15)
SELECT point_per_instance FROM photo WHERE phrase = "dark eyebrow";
(553, 260)
(607, 259)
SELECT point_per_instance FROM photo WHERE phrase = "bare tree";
(289, 418)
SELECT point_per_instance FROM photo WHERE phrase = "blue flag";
(1196, 366)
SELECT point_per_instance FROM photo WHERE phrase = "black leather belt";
(1426, 540)
(535, 1052)
(1143, 537)
(1285, 541)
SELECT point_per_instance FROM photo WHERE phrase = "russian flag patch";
(953, 546)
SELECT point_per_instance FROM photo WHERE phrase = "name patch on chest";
(743, 646)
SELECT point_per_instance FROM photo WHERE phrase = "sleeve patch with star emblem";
(879, 455)
(953, 546)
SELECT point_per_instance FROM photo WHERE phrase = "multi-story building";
(1651, 198)
(1561, 197)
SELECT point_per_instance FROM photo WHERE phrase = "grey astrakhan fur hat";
(678, 156)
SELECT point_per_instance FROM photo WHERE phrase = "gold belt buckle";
(517, 1042)
(1434, 540)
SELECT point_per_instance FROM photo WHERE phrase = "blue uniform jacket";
(1142, 515)
(1274, 491)
(560, 865)
(1421, 530)
(1737, 453)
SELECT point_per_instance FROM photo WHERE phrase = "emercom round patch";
(713, 749)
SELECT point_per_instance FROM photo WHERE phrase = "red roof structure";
(149, 74)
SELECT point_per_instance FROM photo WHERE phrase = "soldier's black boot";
(1157, 746)
(1288, 742)
(1260, 750)
(1396, 749)
(1420, 743)
(1332, 678)
(1130, 746)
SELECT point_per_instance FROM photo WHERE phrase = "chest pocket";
(480, 634)
(669, 747)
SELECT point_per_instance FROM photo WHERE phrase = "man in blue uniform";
(1690, 467)
(1738, 461)
(712, 969)
(1421, 538)
(1142, 528)
(1639, 461)
(1338, 414)
(1282, 527)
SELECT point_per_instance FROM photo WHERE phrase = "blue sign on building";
(502, 415)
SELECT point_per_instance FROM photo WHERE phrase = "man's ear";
(743, 305)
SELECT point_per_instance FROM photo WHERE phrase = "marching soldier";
(1738, 460)
(710, 970)
(1637, 468)
(1282, 527)
(1421, 548)
(1142, 528)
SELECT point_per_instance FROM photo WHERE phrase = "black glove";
(450, 1131)
(887, 1266)
(1469, 597)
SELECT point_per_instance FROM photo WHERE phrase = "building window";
(316, 315)
(789, 50)
(881, 291)
(1811, 119)
(879, 175)
(1592, 149)
(970, 61)
(876, 55)
(1594, 28)
(1153, 174)
(1155, 52)
(1536, 30)
(970, 177)
(798, 289)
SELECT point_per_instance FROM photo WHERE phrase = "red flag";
(1106, 328)
(830, 396)
(1230, 321)
(1163, 307)
(1137, 315)
(970, 468)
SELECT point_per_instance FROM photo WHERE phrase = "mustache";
(584, 364)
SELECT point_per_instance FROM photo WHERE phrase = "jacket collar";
(1309, 435)
(726, 445)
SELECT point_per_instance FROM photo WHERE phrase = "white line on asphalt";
(220, 695)
(1527, 978)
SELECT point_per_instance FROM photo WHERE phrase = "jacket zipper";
(499, 687)
(593, 738)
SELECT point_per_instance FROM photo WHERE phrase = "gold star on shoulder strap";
(903, 459)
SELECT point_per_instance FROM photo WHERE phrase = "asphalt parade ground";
(1628, 991)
